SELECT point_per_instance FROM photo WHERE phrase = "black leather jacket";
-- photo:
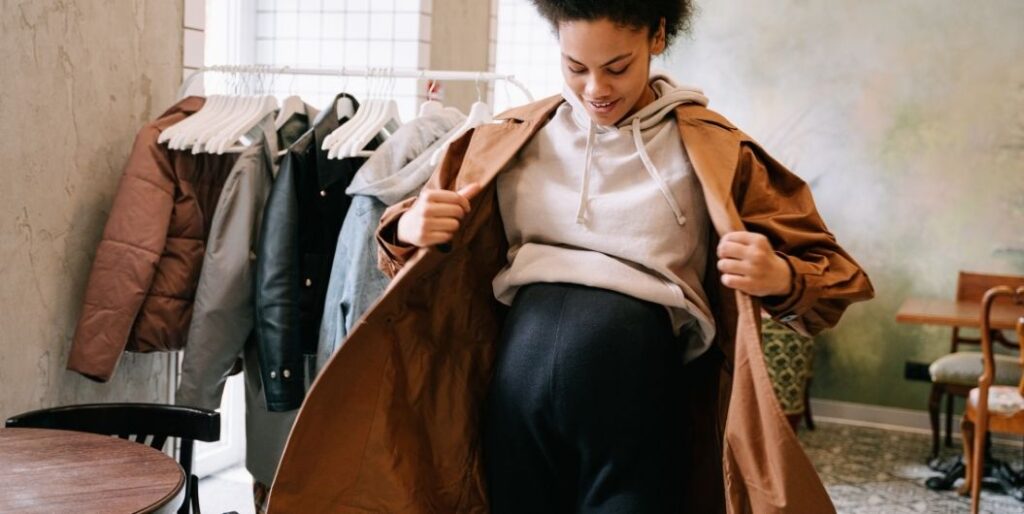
(301, 222)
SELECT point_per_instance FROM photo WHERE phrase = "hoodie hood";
(397, 169)
(668, 96)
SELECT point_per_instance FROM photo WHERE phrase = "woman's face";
(607, 66)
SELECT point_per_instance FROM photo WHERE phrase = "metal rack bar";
(476, 76)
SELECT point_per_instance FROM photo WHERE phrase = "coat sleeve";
(392, 254)
(826, 280)
(126, 258)
(222, 315)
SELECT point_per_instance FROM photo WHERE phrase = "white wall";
(907, 118)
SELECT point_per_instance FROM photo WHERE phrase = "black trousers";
(584, 413)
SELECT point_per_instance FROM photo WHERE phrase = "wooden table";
(50, 471)
(951, 313)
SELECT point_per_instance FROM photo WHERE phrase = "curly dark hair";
(630, 13)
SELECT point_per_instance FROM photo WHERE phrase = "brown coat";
(143, 279)
(391, 424)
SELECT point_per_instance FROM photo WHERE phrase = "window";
(323, 34)
(523, 45)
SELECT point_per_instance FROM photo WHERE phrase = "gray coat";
(223, 316)
(397, 170)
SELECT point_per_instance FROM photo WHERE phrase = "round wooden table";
(63, 471)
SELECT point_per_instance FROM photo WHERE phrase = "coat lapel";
(766, 470)
(714, 159)
(494, 144)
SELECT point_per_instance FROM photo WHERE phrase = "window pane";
(333, 34)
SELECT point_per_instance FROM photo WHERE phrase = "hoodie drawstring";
(653, 172)
(581, 211)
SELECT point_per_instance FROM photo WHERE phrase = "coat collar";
(494, 144)
(328, 170)
(713, 147)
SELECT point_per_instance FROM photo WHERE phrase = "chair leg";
(808, 419)
(794, 422)
(978, 464)
(189, 492)
(967, 436)
(195, 495)
(934, 403)
(949, 420)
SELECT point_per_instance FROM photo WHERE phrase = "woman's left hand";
(748, 263)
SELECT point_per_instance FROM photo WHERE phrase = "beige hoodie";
(614, 207)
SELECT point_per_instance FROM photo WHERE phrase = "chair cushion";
(1005, 400)
(964, 368)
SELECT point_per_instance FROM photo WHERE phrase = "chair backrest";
(137, 422)
(971, 287)
(1012, 295)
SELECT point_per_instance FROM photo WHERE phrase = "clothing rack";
(174, 359)
(474, 76)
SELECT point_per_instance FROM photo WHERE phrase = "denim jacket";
(397, 170)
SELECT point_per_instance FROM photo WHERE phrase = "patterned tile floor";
(878, 471)
(866, 471)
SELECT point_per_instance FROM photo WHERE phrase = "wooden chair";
(789, 358)
(955, 374)
(144, 421)
(991, 407)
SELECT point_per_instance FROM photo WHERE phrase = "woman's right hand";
(435, 216)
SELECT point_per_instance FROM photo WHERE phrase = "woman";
(618, 224)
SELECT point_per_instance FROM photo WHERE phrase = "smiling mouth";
(602, 106)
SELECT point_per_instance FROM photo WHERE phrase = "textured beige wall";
(77, 80)
(460, 40)
(907, 118)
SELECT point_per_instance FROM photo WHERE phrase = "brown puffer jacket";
(143, 279)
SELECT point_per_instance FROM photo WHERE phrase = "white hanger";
(236, 107)
(168, 133)
(479, 113)
(387, 115)
(331, 140)
(384, 117)
(205, 128)
(345, 108)
(265, 106)
(291, 106)
(431, 106)
(220, 114)
(188, 128)
(250, 108)
(225, 135)
(248, 112)
(365, 113)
